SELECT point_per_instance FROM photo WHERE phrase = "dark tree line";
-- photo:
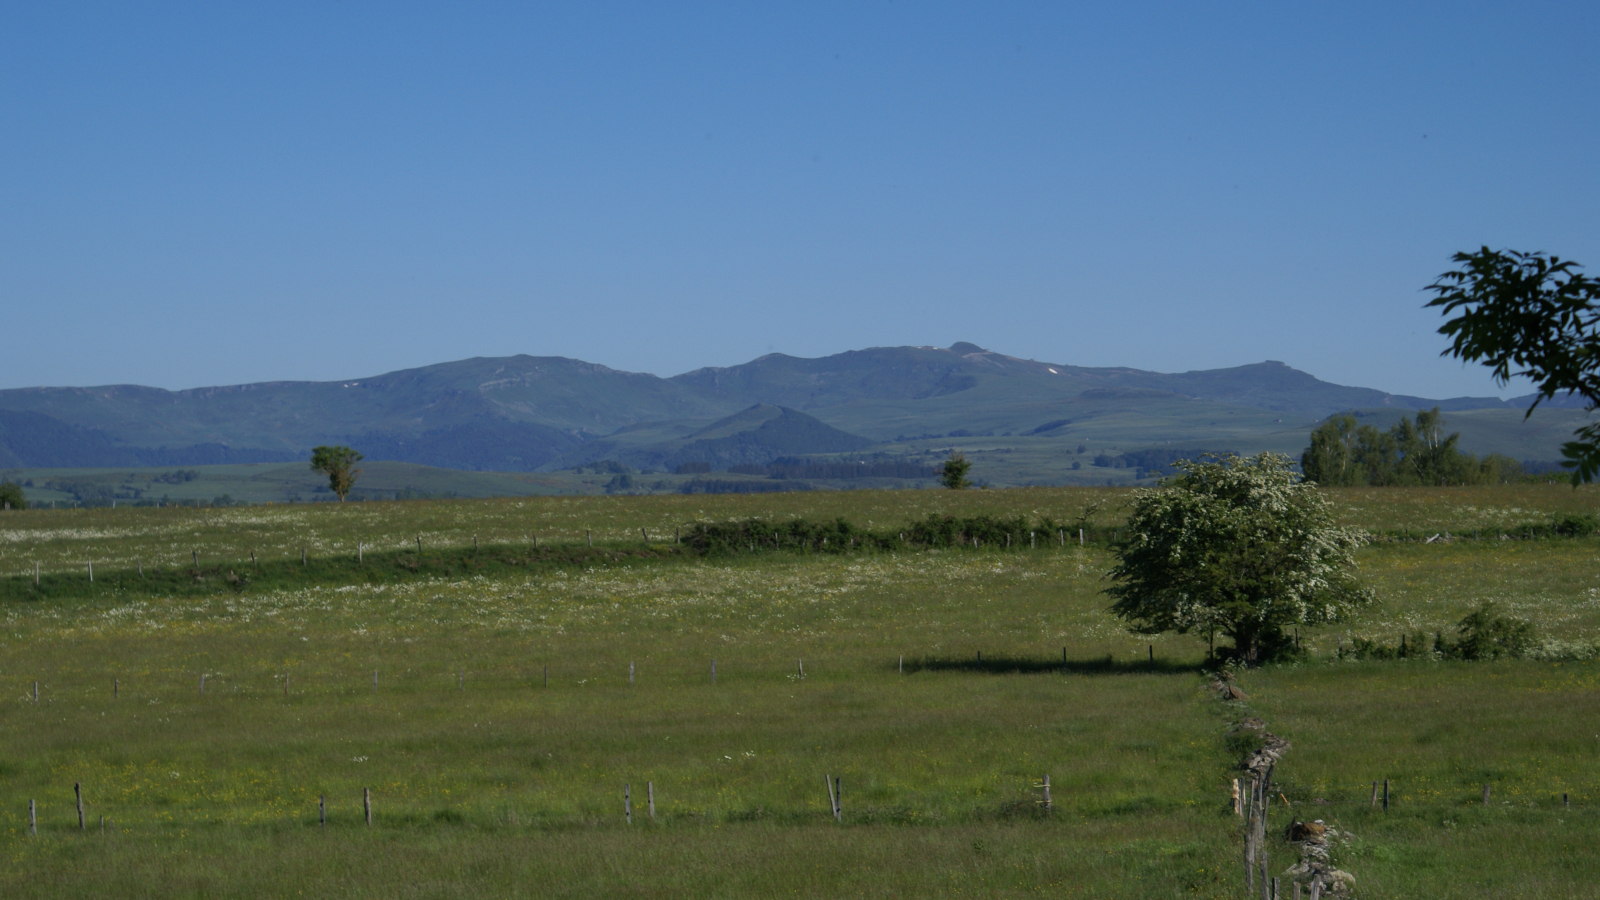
(1412, 452)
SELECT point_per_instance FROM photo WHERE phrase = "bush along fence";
(411, 559)
(1481, 635)
(934, 532)
(1565, 526)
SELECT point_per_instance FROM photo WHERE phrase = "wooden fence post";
(1386, 795)
(116, 688)
(36, 573)
(202, 683)
(360, 552)
(302, 555)
(1374, 795)
(644, 534)
(838, 798)
(1486, 795)
(36, 692)
(33, 819)
(374, 681)
(195, 555)
(322, 810)
(650, 795)
(589, 535)
(802, 664)
(1251, 839)
(366, 804)
(77, 789)
(713, 671)
(546, 674)
(91, 571)
(1047, 792)
(627, 803)
(630, 671)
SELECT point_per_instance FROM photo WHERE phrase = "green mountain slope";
(957, 376)
(526, 413)
(753, 436)
(527, 410)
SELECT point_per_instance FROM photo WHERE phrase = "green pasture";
(503, 724)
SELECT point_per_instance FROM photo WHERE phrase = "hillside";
(526, 413)
(753, 436)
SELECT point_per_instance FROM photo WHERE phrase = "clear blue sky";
(224, 193)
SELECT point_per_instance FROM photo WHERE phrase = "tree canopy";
(1236, 546)
(953, 474)
(1529, 315)
(336, 462)
(11, 496)
(1412, 452)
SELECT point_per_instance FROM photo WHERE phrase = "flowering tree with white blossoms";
(1237, 546)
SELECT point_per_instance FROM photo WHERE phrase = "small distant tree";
(953, 474)
(11, 496)
(1235, 546)
(337, 463)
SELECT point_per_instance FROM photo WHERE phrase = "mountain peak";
(962, 348)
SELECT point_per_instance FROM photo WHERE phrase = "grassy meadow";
(503, 724)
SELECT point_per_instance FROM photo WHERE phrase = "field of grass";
(503, 724)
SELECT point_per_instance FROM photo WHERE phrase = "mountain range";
(525, 413)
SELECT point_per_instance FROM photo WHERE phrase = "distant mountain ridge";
(524, 413)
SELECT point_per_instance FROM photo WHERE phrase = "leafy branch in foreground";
(1529, 315)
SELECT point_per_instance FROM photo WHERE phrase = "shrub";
(1483, 635)
(1581, 525)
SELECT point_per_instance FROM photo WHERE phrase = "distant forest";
(1413, 452)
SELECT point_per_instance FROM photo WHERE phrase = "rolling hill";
(525, 413)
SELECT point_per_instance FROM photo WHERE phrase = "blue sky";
(225, 193)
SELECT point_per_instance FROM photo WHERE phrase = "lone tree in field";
(953, 474)
(1533, 316)
(336, 463)
(11, 496)
(1235, 546)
